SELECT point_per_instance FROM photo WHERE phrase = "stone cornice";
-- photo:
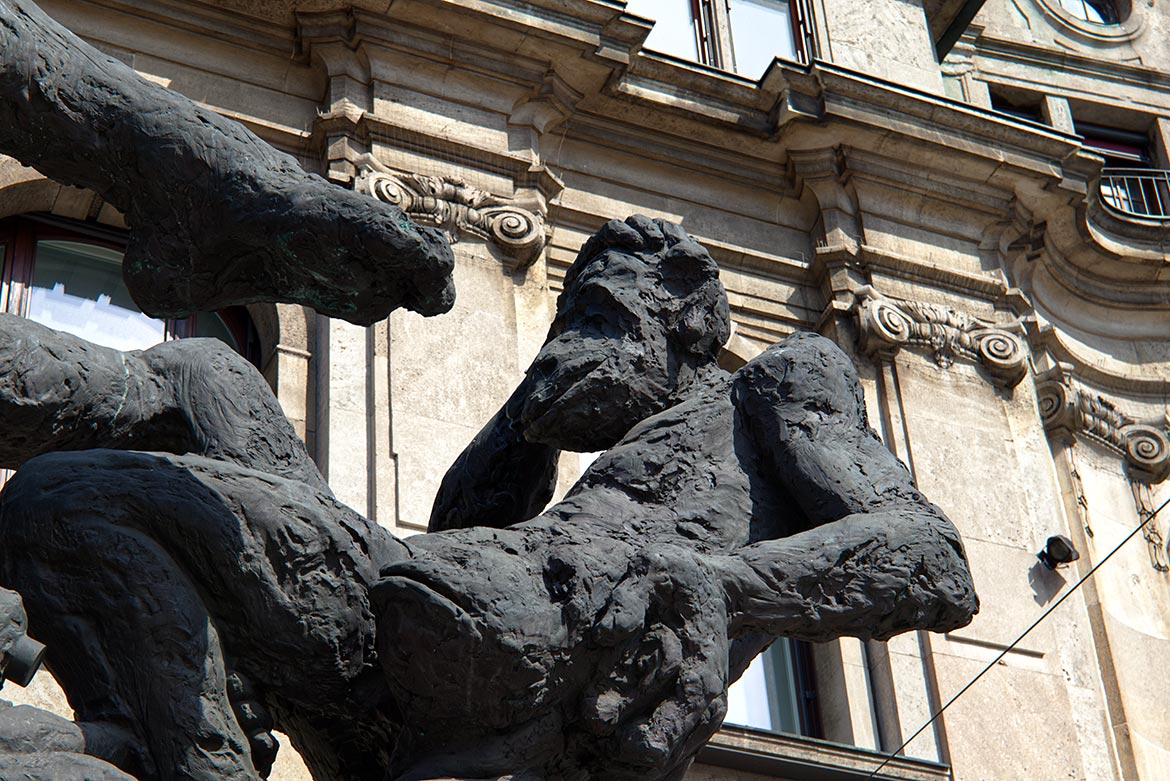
(948, 335)
(1070, 62)
(610, 40)
(1098, 369)
(575, 69)
(457, 208)
(791, 756)
(205, 19)
(1068, 410)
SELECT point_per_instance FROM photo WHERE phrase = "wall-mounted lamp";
(1058, 550)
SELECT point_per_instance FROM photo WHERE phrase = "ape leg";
(128, 637)
(281, 570)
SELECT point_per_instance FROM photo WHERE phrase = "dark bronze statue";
(197, 583)
(595, 640)
(36, 745)
(217, 216)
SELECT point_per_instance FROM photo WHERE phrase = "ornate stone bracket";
(458, 208)
(886, 325)
(1071, 412)
(1145, 446)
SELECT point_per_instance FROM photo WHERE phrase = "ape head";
(642, 315)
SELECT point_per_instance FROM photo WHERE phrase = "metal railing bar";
(1141, 192)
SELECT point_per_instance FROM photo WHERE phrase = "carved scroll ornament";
(456, 207)
(887, 325)
(1145, 446)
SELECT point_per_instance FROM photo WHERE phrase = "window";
(1130, 182)
(68, 276)
(1119, 147)
(1095, 11)
(742, 36)
(1022, 105)
(776, 693)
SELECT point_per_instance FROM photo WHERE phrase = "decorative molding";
(458, 208)
(790, 756)
(886, 326)
(1155, 541)
(1077, 413)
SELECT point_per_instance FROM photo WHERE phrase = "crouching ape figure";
(186, 594)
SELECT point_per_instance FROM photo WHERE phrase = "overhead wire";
(893, 755)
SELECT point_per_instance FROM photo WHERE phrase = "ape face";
(642, 312)
(609, 361)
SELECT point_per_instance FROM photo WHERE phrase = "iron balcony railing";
(1141, 192)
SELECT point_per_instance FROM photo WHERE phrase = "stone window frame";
(1131, 21)
(786, 756)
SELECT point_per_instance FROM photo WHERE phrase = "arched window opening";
(1093, 11)
(68, 276)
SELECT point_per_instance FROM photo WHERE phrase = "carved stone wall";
(886, 325)
(458, 209)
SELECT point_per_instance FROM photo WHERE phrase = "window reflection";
(760, 31)
(674, 27)
(1095, 11)
(68, 276)
(743, 36)
(78, 288)
(766, 697)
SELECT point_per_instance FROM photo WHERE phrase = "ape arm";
(879, 558)
(499, 479)
(60, 392)
(218, 217)
(872, 575)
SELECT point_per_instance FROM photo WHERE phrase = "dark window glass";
(1095, 11)
(1023, 106)
(1125, 148)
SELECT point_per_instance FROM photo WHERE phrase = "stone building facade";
(988, 236)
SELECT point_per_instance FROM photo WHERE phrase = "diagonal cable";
(1015, 642)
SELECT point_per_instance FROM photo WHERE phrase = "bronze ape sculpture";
(593, 641)
(197, 583)
(36, 745)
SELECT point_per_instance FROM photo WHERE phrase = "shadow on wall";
(1045, 583)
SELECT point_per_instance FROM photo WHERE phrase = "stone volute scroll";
(458, 208)
(1145, 446)
(886, 325)
(1073, 413)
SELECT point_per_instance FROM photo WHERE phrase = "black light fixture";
(1058, 550)
(21, 662)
